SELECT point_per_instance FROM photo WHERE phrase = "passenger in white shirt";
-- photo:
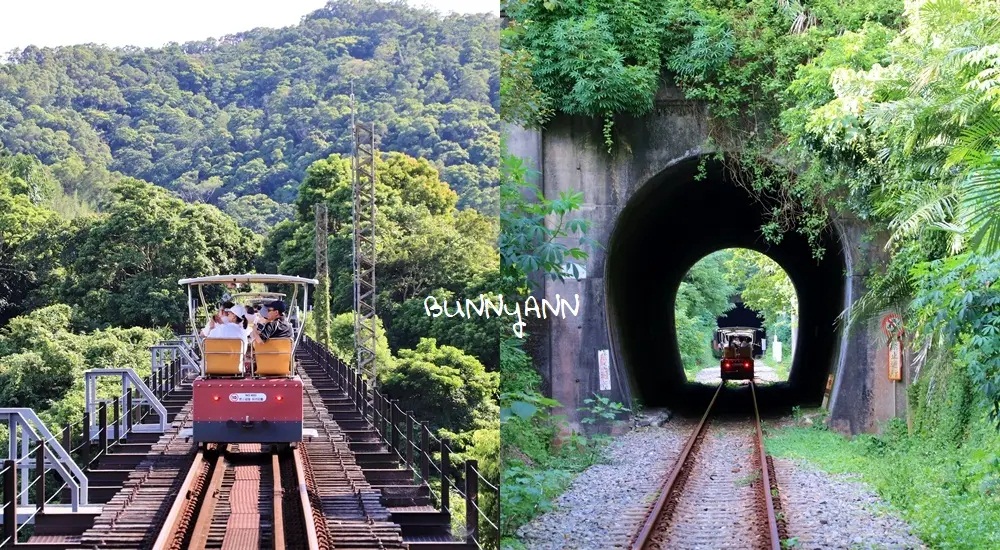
(232, 324)
(232, 327)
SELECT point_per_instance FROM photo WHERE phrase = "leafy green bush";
(943, 475)
(443, 385)
(603, 409)
(42, 361)
(342, 341)
(534, 468)
(947, 493)
(476, 335)
(528, 492)
(955, 299)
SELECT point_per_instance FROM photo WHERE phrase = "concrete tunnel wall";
(670, 223)
(569, 156)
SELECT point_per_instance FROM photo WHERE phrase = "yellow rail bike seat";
(223, 356)
(274, 357)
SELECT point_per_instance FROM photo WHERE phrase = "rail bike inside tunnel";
(247, 391)
(737, 350)
(668, 225)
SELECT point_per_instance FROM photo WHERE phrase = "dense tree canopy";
(764, 287)
(248, 113)
(29, 231)
(424, 245)
(258, 213)
(122, 267)
(452, 388)
(342, 341)
(42, 361)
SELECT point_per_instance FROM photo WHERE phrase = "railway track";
(348, 511)
(718, 495)
(127, 519)
(235, 497)
(229, 497)
(323, 496)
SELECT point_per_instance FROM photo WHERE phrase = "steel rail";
(772, 522)
(172, 522)
(668, 486)
(279, 513)
(312, 540)
(203, 525)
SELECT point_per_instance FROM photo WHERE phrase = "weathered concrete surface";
(647, 167)
(863, 397)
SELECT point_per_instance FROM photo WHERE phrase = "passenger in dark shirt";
(276, 325)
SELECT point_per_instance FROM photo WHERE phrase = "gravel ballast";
(606, 503)
(836, 511)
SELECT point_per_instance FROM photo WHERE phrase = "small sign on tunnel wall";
(892, 327)
(895, 361)
(604, 369)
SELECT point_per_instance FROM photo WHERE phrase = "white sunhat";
(238, 310)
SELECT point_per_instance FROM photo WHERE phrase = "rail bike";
(737, 347)
(247, 391)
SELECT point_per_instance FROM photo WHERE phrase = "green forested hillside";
(236, 121)
(124, 170)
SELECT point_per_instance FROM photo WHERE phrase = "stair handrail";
(129, 380)
(61, 461)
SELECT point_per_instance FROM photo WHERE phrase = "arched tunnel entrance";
(669, 224)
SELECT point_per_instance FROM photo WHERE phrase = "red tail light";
(278, 398)
(215, 398)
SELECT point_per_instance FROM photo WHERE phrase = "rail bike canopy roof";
(246, 278)
(259, 295)
(739, 331)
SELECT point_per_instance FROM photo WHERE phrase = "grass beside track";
(949, 494)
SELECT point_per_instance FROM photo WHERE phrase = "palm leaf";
(976, 144)
(891, 291)
(981, 206)
(927, 205)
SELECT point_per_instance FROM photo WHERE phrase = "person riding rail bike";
(274, 324)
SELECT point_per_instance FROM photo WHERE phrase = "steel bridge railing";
(415, 445)
(94, 437)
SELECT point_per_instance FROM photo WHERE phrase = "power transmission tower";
(321, 309)
(364, 250)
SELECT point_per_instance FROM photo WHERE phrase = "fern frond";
(977, 143)
(981, 206)
(889, 291)
(925, 205)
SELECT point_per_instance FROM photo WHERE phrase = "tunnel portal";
(670, 223)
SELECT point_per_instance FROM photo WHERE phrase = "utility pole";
(321, 309)
(365, 336)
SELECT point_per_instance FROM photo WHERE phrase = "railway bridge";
(128, 476)
(655, 216)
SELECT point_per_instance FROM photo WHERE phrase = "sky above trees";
(152, 24)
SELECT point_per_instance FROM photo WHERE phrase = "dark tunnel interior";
(672, 222)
